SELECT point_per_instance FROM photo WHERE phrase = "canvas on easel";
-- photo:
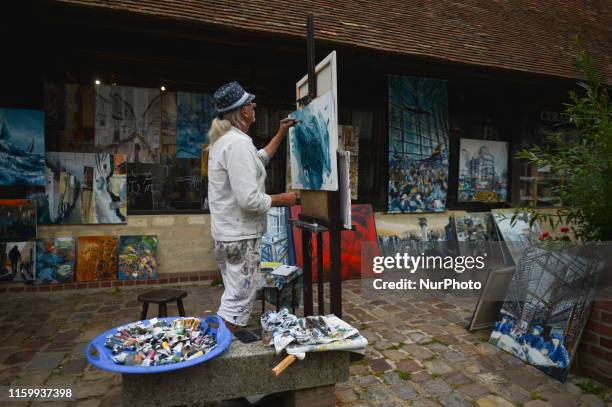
(308, 171)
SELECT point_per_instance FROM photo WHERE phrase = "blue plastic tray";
(103, 359)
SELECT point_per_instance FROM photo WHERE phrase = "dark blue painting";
(195, 112)
(418, 144)
(22, 147)
(314, 141)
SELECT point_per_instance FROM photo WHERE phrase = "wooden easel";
(320, 214)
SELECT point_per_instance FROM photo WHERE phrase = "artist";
(237, 199)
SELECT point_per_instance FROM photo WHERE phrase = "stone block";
(216, 379)
(163, 221)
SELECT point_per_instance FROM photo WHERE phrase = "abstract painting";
(313, 143)
(22, 147)
(418, 144)
(517, 236)
(168, 127)
(349, 140)
(546, 308)
(80, 119)
(196, 112)
(358, 246)
(83, 188)
(97, 258)
(17, 261)
(277, 242)
(55, 260)
(137, 257)
(483, 171)
(17, 219)
(128, 121)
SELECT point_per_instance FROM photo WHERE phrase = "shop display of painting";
(418, 144)
(517, 236)
(17, 261)
(358, 247)
(17, 219)
(277, 242)
(195, 113)
(475, 227)
(128, 121)
(483, 171)
(137, 257)
(313, 143)
(83, 188)
(96, 258)
(349, 140)
(55, 260)
(546, 308)
(412, 233)
(168, 128)
(22, 147)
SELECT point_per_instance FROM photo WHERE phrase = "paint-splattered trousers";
(239, 262)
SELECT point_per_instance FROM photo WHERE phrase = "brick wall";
(184, 245)
(595, 351)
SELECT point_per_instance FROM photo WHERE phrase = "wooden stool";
(162, 297)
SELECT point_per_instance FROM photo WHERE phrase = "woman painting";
(237, 198)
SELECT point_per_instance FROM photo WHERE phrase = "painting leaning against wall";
(17, 261)
(546, 307)
(22, 147)
(137, 257)
(418, 144)
(55, 260)
(96, 258)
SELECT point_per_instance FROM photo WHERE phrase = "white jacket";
(236, 188)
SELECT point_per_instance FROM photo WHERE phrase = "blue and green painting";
(55, 260)
(22, 147)
(418, 144)
(314, 141)
(195, 113)
(137, 257)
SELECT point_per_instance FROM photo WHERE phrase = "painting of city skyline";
(17, 219)
(313, 143)
(483, 171)
(83, 188)
(128, 121)
(418, 144)
(55, 260)
(195, 113)
(22, 147)
(518, 235)
(17, 261)
(277, 242)
(412, 233)
(546, 308)
(97, 258)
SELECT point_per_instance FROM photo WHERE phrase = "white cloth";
(239, 263)
(236, 188)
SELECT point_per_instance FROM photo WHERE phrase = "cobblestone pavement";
(420, 353)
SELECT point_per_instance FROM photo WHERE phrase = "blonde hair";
(221, 126)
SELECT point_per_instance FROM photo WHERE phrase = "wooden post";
(307, 275)
(320, 286)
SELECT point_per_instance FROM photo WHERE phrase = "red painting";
(352, 258)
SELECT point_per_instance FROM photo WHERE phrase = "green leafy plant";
(589, 387)
(581, 159)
